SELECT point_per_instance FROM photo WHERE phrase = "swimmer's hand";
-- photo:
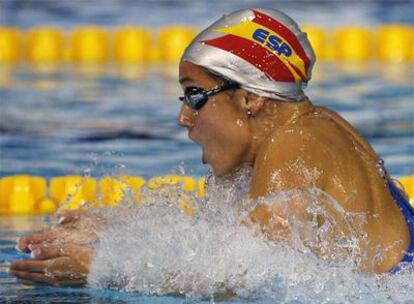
(56, 264)
(62, 253)
(73, 226)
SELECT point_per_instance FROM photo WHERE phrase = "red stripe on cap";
(255, 54)
(284, 32)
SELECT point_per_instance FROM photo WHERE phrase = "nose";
(185, 117)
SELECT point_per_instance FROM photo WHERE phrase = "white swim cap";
(261, 49)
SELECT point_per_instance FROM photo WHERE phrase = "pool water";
(65, 123)
(107, 120)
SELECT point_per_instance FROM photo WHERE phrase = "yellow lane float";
(188, 184)
(135, 44)
(319, 39)
(73, 191)
(173, 40)
(10, 45)
(395, 43)
(113, 189)
(90, 45)
(408, 184)
(353, 43)
(132, 45)
(26, 194)
(44, 45)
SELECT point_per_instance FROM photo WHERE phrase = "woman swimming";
(243, 80)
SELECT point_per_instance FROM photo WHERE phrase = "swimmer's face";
(220, 127)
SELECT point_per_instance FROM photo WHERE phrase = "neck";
(282, 113)
(275, 115)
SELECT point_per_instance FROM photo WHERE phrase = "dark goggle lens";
(194, 97)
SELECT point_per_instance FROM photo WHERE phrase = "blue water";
(155, 13)
(67, 121)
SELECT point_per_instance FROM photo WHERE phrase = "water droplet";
(181, 168)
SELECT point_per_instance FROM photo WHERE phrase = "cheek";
(206, 126)
(212, 131)
(234, 128)
(231, 151)
(228, 137)
(223, 128)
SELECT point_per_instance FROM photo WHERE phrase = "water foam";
(158, 249)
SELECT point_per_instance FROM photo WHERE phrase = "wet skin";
(281, 141)
(62, 254)
(297, 146)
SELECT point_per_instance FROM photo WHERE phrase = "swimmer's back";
(344, 165)
(363, 188)
(354, 179)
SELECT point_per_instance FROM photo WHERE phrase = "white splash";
(158, 249)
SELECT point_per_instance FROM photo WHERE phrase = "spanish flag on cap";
(262, 49)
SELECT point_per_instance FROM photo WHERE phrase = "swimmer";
(243, 79)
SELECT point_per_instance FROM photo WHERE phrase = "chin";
(218, 166)
(219, 171)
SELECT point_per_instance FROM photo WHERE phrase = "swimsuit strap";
(381, 169)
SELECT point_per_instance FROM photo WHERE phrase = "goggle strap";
(226, 86)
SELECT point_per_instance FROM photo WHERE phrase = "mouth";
(203, 154)
(189, 133)
(203, 158)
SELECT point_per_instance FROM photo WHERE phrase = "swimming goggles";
(196, 97)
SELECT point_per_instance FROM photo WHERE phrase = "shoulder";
(292, 157)
(300, 141)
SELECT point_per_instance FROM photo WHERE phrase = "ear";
(254, 104)
(249, 102)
